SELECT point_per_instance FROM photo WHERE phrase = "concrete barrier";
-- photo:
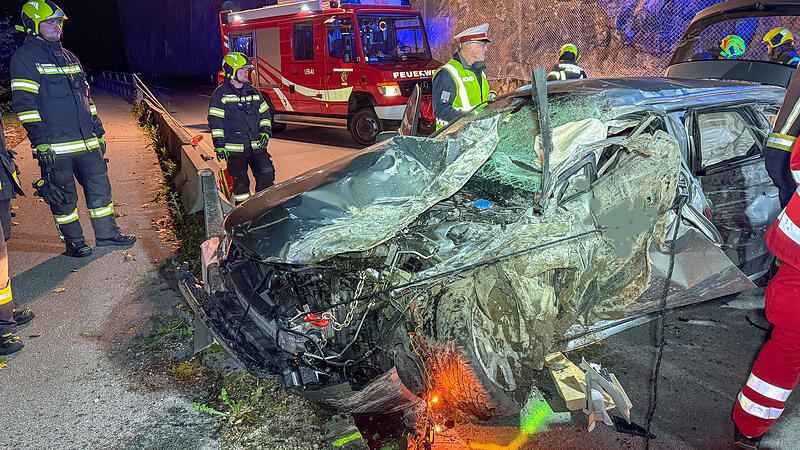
(195, 181)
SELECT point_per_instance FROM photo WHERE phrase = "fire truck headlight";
(389, 89)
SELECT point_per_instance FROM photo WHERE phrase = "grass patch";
(189, 228)
(176, 329)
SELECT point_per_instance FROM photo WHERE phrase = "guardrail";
(196, 181)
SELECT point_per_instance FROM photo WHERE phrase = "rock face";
(615, 38)
(175, 36)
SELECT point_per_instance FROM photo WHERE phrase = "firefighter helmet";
(777, 36)
(569, 52)
(732, 46)
(234, 61)
(35, 12)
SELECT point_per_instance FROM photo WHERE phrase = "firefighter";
(780, 43)
(781, 141)
(9, 317)
(241, 126)
(567, 67)
(730, 47)
(461, 84)
(777, 368)
(51, 97)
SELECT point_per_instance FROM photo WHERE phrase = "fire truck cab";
(352, 65)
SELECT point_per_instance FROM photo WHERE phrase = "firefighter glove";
(45, 155)
(51, 194)
(102, 142)
(263, 140)
(221, 154)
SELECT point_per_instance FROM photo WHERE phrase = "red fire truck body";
(351, 66)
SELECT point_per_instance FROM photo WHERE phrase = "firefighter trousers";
(7, 324)
(89, 168)
(777, 368)
(259, 162)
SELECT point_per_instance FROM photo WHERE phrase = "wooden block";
(570, 382)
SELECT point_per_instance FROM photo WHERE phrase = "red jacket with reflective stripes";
(783, 236)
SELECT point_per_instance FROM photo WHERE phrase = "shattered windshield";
(392, 38)
(745, 41)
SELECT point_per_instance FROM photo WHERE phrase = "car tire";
(456, 368)
(364, 126)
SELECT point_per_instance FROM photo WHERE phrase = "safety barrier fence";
(195, 181)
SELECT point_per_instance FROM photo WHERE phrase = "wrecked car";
(457, 262)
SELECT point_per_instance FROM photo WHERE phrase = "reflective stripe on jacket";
(470, 92)
(237, 117)
(783, 236)
(51, 97)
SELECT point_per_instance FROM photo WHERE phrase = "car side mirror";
(386, 135)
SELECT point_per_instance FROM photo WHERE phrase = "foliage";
(238, 411)
(177, 328)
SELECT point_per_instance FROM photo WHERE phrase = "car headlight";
(389, 89)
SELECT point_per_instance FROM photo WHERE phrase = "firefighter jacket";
(10, 185)
(50, 95)
(457, 89)
(237, 117)
(783, 236)
(785, 54)
(566, 70)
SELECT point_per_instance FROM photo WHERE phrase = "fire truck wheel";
(365, 126)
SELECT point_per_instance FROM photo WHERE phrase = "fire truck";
(351, 65)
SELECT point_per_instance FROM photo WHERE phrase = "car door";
(303, 73)
(726, 156)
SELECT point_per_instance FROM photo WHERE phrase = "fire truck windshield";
(393, 37)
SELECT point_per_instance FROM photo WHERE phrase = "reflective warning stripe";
(796, 176)
(75, 146)
(265, 123)
(230, 98)
(102, 212)
(781, 141)
(217, 132)
(768, 390)
(20, 84)
(29, 116)
(241, 197)
(52, 69)
(792, 117)
(263, 108)
(234, 147)
(462, 89)
(254, 144)
(216, 112)
(788, 227)
(5, 294)
(93, 109)
(69, 218)
(754, 409)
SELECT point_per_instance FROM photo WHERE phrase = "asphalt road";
(293, 151)
(72, 385)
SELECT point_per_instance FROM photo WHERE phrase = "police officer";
(241, 126)
(780, 43)
(461, 84)
(51, 97)
(567, 67)
(9, 317)
(781, 141)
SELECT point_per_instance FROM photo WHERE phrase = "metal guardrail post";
(211, 203)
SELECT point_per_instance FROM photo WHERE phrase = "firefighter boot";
(78, 249)
(120, 239)
(10, 343)
(742, 441)
(23, 316)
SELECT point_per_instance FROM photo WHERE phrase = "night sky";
(92, 32)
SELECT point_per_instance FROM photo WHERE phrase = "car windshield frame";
(380, 37)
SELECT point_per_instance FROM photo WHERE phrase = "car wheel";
(364, 126)
(471, 369)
